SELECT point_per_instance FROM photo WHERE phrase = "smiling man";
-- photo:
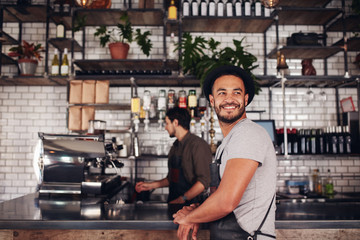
(243, 206)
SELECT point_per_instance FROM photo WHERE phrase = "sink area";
(337, 197)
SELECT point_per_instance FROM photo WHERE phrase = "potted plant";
(29, 55)
(199, 56)
(119, 38)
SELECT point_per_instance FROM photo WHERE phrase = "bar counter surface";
(32, 212)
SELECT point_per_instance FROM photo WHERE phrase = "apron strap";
(258, 232)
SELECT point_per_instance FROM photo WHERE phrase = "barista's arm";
(195, 190)
(237, 175)
(146, 186)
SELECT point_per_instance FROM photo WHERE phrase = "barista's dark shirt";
(196, 158)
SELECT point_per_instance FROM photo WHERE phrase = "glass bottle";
(192, 102)
(186, 8)
(55, 65)
(220, 8)
(258, 8)
(65, 64)
(172, 47)
(171, 99)
(238, 8)
(202, 105)
(203, 8)
(182, 99)
(334, 141)
(247, 8)
(60, 30)
(161, 103)
(329, 184)
(147, 100)
(212, 8)
(341, 140)
(172, 11)
(347, 142)
(194, 8)
(229, 8)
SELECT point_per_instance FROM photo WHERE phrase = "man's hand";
(142, 186)
(184, 226)
(178, 200)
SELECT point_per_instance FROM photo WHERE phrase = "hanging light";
(84, 3)
(270, 3)
(281, 61)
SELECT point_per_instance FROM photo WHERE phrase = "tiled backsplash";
(25, 111)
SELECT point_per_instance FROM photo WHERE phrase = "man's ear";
(211, 99)
(246, 99)
(175, 122)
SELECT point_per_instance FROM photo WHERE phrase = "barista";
(188, 162)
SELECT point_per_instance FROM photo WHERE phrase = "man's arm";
(145, 186)
(237, 175)
(195, 190)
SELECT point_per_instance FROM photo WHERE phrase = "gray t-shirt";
(249, 140)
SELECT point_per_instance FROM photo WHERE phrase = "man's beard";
(230, 118)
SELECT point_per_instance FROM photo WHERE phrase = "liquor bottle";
(334, 141)
(65, 64)
(295, 147)
(229, 8)
(302, 145)
(182, 99)
(290, 141)
(327, 140)
(192, 102)
(329, 184)
(238, 8)
(220, 8)
(186, 8)
(347, 142)
(203, 8)
(258, 8)
(313, 141)
(341, 140)
(146, 107)
(307, 133)
(171, 50)
(194, 8)
(60, 30)
(55, 65)
(212, 8)
(317, 182)
(202, 105)
(161, 107)
(247, 8)
(172, 11)
(171, 99)
(320, 142)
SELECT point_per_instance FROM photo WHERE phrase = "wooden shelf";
(111, 17)
(352, 24)
(309, 81)
(32, 13)
(8, 40)
(306, 52)
(353, 44)
(306, 16)
(33, 81)
(108, 106)
(226, 24)
(127, 64)
(303, 3)
(61, 43)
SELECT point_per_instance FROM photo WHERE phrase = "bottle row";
(331, 140)
(230, 8)
(150, 106)
(56, 68)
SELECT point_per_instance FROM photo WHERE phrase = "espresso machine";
(76, 165)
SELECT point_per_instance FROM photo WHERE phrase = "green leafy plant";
(124, 33)
(200, 56)
(26, 50)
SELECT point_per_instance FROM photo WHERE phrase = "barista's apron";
(178, 184)
(227, 227)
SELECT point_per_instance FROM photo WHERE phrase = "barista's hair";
(181, 114)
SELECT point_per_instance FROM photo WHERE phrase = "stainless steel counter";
(30, 212)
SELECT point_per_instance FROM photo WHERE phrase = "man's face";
(169, 127)
(228, 98)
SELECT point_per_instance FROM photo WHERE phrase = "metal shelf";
(353, 44)
(306, 16)
(352, 24)
(32, 13)
(306, 52)
(6, 39)
(33, 81)
(227, 24)
(303, 3)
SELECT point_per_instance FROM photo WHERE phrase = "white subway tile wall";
(25, 111)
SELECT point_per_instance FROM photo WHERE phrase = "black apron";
(227, 228)
(178, 185)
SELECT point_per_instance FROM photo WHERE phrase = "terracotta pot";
(27, 66)
(119, 50)
(100, 4)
